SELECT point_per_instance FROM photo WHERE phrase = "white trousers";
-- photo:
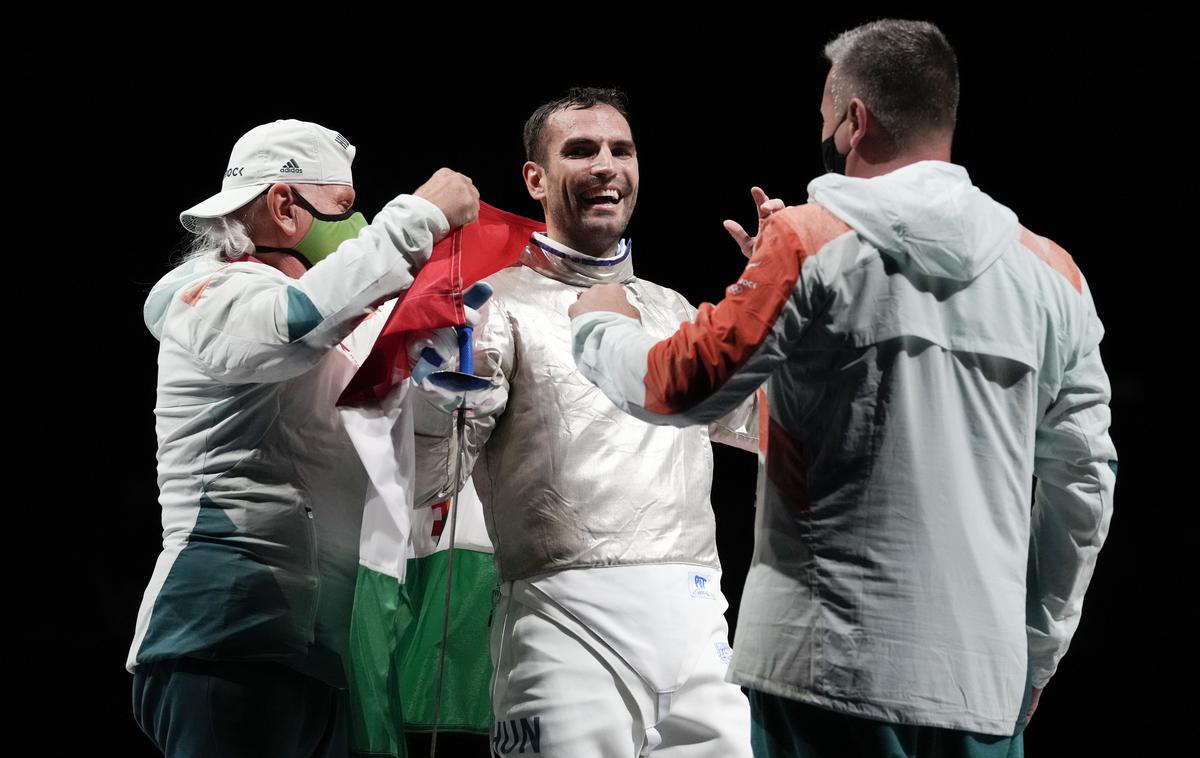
(634, 669)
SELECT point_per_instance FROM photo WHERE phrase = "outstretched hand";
(765, 207)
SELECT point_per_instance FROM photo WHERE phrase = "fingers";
(737, 231)
(469, 211)
(604, 297)
(430, 351)
(760, 197)
(1033, 702)
(771, 206)
(454, 193)
(477, 294)
(744, 241)
(763, 204)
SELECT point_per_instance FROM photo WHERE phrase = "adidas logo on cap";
(345, 143)
(291, 167)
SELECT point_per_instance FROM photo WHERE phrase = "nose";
(603, 165)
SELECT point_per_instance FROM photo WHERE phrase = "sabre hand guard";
(438, 349)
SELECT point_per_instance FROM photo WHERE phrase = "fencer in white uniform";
(609, 636)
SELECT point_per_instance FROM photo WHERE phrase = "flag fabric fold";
(435, 298)
(466, 705)
(390, 630)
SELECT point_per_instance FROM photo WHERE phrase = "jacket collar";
(557, 261)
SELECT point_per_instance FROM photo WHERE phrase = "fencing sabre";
(461, 381)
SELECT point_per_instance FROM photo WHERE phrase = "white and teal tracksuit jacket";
(261, 490)
(925, 357)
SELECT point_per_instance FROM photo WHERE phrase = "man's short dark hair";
(576, 97)
(906, 73)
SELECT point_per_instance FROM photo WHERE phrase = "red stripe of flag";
(434, 300)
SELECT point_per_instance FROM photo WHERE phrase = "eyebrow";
(589, 141)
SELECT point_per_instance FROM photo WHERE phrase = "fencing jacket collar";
(557, 261)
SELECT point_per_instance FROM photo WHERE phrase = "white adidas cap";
(296, 152)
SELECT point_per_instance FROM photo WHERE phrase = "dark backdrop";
(1072, 120)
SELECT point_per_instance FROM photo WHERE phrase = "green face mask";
(326, 233)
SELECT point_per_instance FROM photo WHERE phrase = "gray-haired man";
(926, 357)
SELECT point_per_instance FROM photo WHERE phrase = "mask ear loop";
(289, 251)
(303, 203)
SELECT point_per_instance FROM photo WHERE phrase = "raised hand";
(765, 207)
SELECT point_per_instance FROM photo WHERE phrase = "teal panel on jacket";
(219, 601)
(302, 315)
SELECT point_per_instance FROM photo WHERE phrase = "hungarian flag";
(435, 298)
(466, 705)
(396, 635)
(392, 631)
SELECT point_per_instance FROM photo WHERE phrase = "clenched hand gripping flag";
(396, 628)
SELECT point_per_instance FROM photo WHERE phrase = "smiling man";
(588, 187)
(609, 637)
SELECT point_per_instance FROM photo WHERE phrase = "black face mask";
(835, 162)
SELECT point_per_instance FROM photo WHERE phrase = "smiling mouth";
(602, 197)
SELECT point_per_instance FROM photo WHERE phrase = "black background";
(1072, 119)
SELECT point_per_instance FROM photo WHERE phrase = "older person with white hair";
(241, 641)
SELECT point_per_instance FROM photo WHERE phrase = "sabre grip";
(466, 350)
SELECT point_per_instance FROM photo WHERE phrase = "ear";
(535, 180)
(861, 121)
(281, 209)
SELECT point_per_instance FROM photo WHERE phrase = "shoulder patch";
(1053, 256)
